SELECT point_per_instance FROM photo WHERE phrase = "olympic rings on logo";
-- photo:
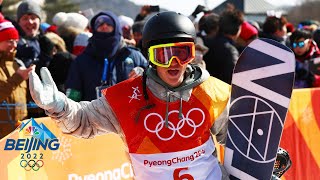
(31, 164)
(184, 121)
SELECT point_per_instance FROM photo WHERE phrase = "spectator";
(201, 50)
(223, 55)
(316, 37)
(44, 26)
(145, 12)
(12, 79)
(80, 42)
(310, 25)
(59, 44)
(69, 25)
(290, 28)
(198, 10)
(275, 28)
(61, 60)
(208, 26)
(304, 49)
(247, 35)
(126, 29)
(105, 61)
(33, 47)
(137, 28)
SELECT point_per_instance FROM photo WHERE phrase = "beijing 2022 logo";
(37, 135)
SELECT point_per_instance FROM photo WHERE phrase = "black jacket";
(221, 57)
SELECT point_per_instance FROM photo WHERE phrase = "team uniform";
(157, 150)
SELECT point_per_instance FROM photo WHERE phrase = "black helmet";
(167, 26)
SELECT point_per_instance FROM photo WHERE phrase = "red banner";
(301, 135)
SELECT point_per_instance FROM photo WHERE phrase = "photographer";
(145, 11)
(198, 10)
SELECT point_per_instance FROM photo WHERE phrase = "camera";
(154, 8)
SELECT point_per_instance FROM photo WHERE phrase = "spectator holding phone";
(145, 11)
(13, 87)
(198, 10)
(33, 47)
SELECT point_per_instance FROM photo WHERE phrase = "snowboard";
(262, 84)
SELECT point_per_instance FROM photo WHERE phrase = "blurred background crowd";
(88, 49)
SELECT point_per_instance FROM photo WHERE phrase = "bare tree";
(305, 10)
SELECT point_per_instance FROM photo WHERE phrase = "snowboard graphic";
(262, 84)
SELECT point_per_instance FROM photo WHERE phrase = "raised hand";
(45, 93)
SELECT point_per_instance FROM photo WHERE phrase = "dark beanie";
(103, 19)
(28, 7)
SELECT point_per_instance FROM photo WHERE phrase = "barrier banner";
(301, 135)
(61, 156)
(39, 150)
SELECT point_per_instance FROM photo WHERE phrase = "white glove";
(45, 94)
(135, 72)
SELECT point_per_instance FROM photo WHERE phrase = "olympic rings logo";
(31, 164)
(184, 121)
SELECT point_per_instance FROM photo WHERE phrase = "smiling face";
(8, 46)
(30, 24)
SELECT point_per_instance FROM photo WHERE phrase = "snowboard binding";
(282, 163)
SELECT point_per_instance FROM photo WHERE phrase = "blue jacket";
(35, 50)
(85, 73)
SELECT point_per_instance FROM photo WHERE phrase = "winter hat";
(247, 31)
(52, 28)
(103, 19)
(7, 30)
(57, 41)
(138, 26)
(125, 21)
(72, 19)
(44, 26)
(80, 42)
(28, 7)
(290, 27)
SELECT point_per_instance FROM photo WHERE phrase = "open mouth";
(173, 72)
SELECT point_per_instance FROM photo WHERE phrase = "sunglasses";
(163, 54)
(299, 44)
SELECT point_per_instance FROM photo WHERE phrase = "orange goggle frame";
(163, 54)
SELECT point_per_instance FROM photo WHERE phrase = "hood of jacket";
(104, 45)
(194, 76)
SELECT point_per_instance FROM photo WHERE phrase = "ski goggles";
(163, 54)
(299, 44)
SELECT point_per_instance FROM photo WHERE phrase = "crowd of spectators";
(86, 55)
